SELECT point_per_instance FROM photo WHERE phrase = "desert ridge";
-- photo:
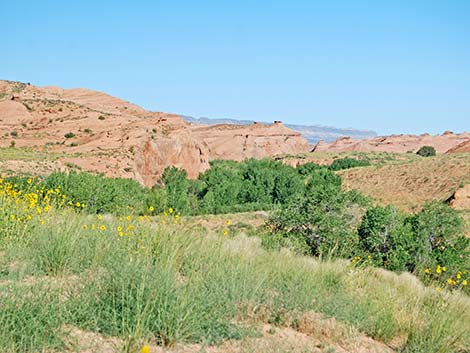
(101, 133)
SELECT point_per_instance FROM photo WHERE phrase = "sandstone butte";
(100, 133)
(447, 142)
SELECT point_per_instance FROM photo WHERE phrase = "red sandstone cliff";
(118, 138)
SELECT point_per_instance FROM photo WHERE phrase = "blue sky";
(390, 66)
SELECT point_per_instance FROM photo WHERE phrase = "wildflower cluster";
(126, 225)
(169, 216)
(440, 275)
(28, 203)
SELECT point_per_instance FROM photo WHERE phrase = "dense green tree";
(323, 217)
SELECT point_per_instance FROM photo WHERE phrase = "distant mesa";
(312, 133)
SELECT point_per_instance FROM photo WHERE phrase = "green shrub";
(69, 135)
(384, 234)
(309, 168)
(426, 151)
(346, 163)
(439, 230)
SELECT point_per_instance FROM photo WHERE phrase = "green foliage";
(323, 217)
(100, 194)
(346, 163)
(176, 188)
(432, 237)
(230, 186)
(439, 230)
(308, 168)
(385, 235)
(426, 151)
(69, 135)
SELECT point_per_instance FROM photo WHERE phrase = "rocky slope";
(461, 148)
(396, 143)
(94, 131)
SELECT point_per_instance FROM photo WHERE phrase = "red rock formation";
(119, 138)
(395, 143)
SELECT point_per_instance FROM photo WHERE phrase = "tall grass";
(167, 284)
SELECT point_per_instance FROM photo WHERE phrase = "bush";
(439, 230)
(426, 151)
(431, 238)
(69, 135)
(346, 163)
(384, 234)
(309, 168)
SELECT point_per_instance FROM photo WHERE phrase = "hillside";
(410, 184)
(96, 132)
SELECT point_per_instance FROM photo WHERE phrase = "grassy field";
(68, 281)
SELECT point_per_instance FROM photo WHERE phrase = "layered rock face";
(395, 143)
(100, 133)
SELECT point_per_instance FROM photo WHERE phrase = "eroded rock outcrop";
(97, 132)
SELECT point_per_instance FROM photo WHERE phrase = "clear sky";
(397, 66)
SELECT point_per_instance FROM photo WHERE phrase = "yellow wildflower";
(145, 349)
(151, 209)
(102, 227)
